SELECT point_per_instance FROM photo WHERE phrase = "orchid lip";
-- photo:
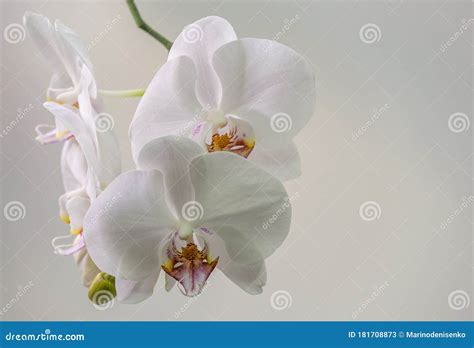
(235, 136)
(52, 136)
(69, 248)
(190, 267)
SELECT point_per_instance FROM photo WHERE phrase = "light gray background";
(408, 161)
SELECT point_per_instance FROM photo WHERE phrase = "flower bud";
(102, 289)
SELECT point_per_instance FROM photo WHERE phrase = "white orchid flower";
(67, 56)
(248, 96)
(89, 159)
(185, 211)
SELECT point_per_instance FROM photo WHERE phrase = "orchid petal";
(264, 79)
(251, 277)
(77, 207)
(283, 162)
(199, 41)
(87, 267)
(237, 194)
(172, 157)
(83, 136)
(125, 224)
(130, 291)
(72, 43)
(73, 166)
(43, 36)
(169, 105)
(68, 249)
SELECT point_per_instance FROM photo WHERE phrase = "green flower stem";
(144, 26)
(122, 93)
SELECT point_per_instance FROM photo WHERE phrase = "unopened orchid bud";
(102, 289)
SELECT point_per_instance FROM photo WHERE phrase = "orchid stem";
(144, 26)
(122, 93)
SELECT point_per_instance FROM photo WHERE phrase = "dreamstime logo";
(103, 299)
(190, 301)
(280, 300)
(370, 211)
(104, 122)
(281, 122)
(458, 300)
(280, 211)
(14, 211)
(370, 122)
(466, 24)
(458, 122)
(192, 33)
(22, 290)
(287, 25)
(104, 32)
(192, 211)
(104, 210)
(466, 203)
(370, 33)
(377, 291)
(21, 113)
(14, 33)
(195, 125)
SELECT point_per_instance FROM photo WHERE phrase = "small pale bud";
(102, 289)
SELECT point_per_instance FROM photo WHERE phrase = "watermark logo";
(103, 300)
(466, 24)
(377, 291)
(458, 300)
(20, 114)
(370, 211)
(14, 33)
(466, 203)
(192, 33)
(108, 28)
(281, 122)
(280, 300)
(370, 33)
(370, 122)
(22, 290)
(192, 211)
(104, 122)
(14, 211)
(459, 122)
(281, 210)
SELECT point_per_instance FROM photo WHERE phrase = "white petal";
(263, 78)
(283, 162)
(130, 291)
(73, 44)
(44, 37)
(77, 207)
(236, 194)
(109, 157)
(125, 224)
(199, 41)
(73, 165)
(172, 156)
(169, 105)
(251, 277)
(72, 121)
(87, 267)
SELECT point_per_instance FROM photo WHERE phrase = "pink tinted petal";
(68, 249)
(50, 136)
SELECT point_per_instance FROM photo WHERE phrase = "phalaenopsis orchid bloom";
(186, 212)
(247, 96)
(89, 158)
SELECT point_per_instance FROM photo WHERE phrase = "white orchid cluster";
(210, 156)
